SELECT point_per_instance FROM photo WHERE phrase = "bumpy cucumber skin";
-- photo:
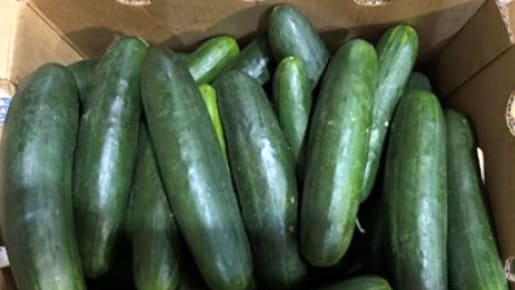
(292, 100)
(84, 73)
(397, 51)
(415, 192)
(212, 57)
(474, 261)
(360, 283)
(106, 152)
(209, 96)
(254, 60)
(336, 154)
(264, 175)
(291, 34)
(194, 172)
(37, 161)
(154, 235)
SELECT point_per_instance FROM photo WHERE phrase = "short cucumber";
(154, 235)
(36, 173)
(106, 152)
(291, 34)
(474, 261)
(264, 176)
(419, 81)
(397, 51)
(336, 153)
(84, 73)
(415, 191)
(292, 100)
(194, 172)
(255, 60)
(209, 96)
(360, 283)
(211, 58)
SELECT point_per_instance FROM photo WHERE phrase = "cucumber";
(419, 81)
(292, 100)
(194, 172)
(211, 58)
(154, 234)
(360, 283)
(291, 34)
(474, 261)
(336, 154)
(106, 153)
(397, 51)
(84, 73)
(255, 60)
(36, 174)
(264, 176)
(415, 192)
(209, 96)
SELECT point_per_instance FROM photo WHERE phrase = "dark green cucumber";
(84, 73)
(360, 283)
(254, 60)
(292, 99)
(106, 153)
(209, 96)
(336, 154)
(194, 172)
(211, 58)
(36, 175)
(474, 261)
(419, 81)
(291, 34)
(415, 192)
(397, 51)
(264, 176)
(154, 234)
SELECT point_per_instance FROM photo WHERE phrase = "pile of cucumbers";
(236, 170)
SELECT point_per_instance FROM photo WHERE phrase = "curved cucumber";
(291, 34)
(360, 283)
(194, 172)
(292, 99)
(84, 73)
(415, 192)
(209, 96)
(106, 153)
(419, 81)
(254, 60)
(211, 58)
(336, 154)
(474, 261)
(397, 51)
(37, 162)
(154, 235)
(264, 175)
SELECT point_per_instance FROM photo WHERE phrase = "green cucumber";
(419, 81)
(264, 176)
(474, 261)
(360, 283)
(106, 152)
(291, 34)
(194, 172)
(336, 154)
(209, 96)
(154, 234)
(255, 60)
(84, 73)
(37, 161)
(415, 191)
(397, 51)
(292, 99)
(211, 58)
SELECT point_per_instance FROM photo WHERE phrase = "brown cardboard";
(474, 67)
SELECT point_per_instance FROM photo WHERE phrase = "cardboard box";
(467, 45)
